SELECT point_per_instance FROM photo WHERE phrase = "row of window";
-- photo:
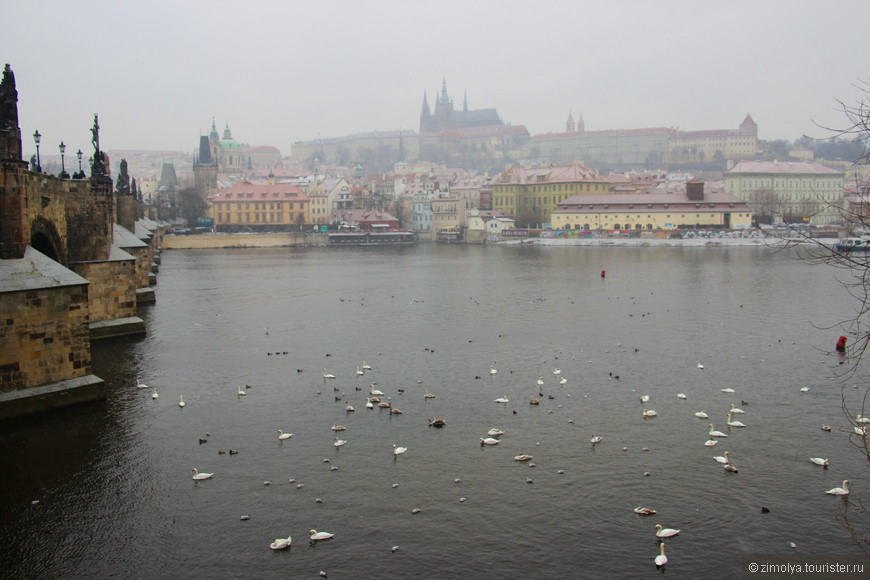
(257, 206)
(245, 217)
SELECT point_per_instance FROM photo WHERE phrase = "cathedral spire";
(444, 98)
(570, 127)
(465, 102)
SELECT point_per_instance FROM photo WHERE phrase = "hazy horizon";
(158, 72)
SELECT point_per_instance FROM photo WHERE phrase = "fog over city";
(278, 72)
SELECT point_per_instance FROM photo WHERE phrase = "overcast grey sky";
(278, 71)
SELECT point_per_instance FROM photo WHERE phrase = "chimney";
(695, 190)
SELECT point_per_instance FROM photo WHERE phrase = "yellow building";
(668, 206)
(530, 194)
(714, 145)
(246, 206)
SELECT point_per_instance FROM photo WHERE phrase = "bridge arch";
(45, 239)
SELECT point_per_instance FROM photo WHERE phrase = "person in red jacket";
(841, 344)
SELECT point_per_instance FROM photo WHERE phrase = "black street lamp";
(36, 138)
(63, 173)
(79, 156)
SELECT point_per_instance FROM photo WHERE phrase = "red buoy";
(603, 272)
(841, 344)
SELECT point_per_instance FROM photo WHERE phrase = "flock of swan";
(493, 438)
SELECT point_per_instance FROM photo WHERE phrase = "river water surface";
(113, 480)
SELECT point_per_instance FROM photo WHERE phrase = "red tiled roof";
(245, 190)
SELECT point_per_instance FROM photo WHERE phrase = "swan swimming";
(154, 395)
(711, 443)
(240, 392)
(596, 439)
(328, 375)
(398, 450)
(489, 441)
(140, 384)
(502, 400)
(282, 435)
(644, 511)
(665, 532)
(180, 401)
(702, 415)
(661, 559)
(339, 442)
(495, 432)
(840, 490)
(733, 423)
(644, 398)
(681, 396)
(280, 543)
(317, 536)
(736, 410)
(714, 433)
(197, 475)
(819, 461)
(722, 458)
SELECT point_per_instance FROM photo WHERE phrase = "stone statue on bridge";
(8, 100)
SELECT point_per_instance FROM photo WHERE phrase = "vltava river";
(113, 480)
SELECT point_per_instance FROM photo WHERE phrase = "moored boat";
(853, 245)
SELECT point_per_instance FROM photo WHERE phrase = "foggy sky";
(157, 72)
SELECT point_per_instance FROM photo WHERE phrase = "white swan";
(840, 490)
(398, 450)
(734, 423)
(375, 392)
(711, 443)
(649, 413)
(661, 559)
(722, 458)
(702, 415)
(140, 384)
(819, 461)
(359, 371)
(280, 543)
(736, 410)
(197, 475)
(366, 367)
(665, 532)
(240, 392)
(282, 435)
(502, 400)
(327, 374)
(316, 536)
(714, 433)
(681, 396)
(644, 398)
(596, 439)
(495, 432)
(557, 371)
(339, 442)
(180, 401)
(563, 380)
(154, 395)
(489, 441)
(540, 381)
(492, 370)
(338, 428)
(862, 420)
(727, 390)
(369, 404)
(644, 511)
(700, 366)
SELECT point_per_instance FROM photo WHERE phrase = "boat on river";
(853, 245)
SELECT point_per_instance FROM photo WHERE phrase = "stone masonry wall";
(45, 337)
(112, 292)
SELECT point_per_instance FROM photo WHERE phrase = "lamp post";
(36, 138)
(79, 156)
(63, 173)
